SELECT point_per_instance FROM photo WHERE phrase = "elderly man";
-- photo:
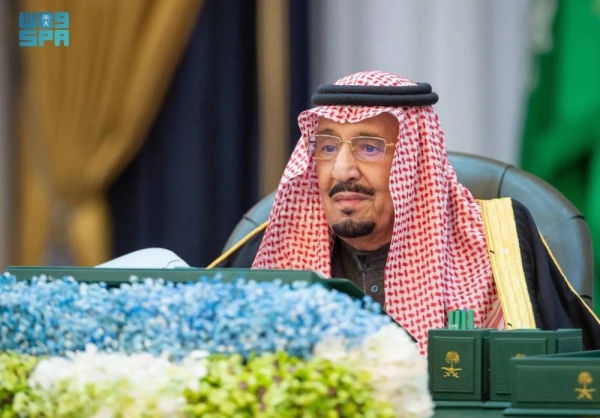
(369, 195)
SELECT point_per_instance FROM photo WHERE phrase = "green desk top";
(468, 413)
(472, 413)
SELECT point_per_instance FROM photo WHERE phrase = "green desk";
(468, 413)
(471, 413)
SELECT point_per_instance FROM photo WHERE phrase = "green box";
(457, 374)
(116, 276)
(505, 345)
(482, 375)
(556, 385)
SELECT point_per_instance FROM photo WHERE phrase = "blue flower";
(52, 317)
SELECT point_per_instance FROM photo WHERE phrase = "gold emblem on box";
(585, 379)
(452, 357)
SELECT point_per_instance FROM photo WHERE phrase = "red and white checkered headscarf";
(437, 259)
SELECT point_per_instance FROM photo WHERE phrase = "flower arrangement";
(157, 349)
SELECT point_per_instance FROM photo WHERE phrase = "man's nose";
(345, 166)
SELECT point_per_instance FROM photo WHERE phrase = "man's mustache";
(350, 187)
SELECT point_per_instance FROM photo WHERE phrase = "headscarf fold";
(438, 258)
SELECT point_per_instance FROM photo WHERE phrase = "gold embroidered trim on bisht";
(565, 278)
(507, 265)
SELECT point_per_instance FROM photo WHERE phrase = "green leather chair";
(562, 225)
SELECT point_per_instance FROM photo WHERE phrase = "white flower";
(125, 385)
(398, 371)
(48, 372)
(334, 349)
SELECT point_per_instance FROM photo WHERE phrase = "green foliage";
(268, 386)
(61, 402)
(14, 372)
(277, 385)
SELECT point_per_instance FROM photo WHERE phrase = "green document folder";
(472, 368)
(505, 345)
(556, 385)
(116, 276)
(457, 361)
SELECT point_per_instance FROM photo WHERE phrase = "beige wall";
(475, 54)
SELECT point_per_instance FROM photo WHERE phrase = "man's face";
(355, 194)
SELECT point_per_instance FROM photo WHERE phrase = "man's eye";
(329, 148)
(370, 149)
